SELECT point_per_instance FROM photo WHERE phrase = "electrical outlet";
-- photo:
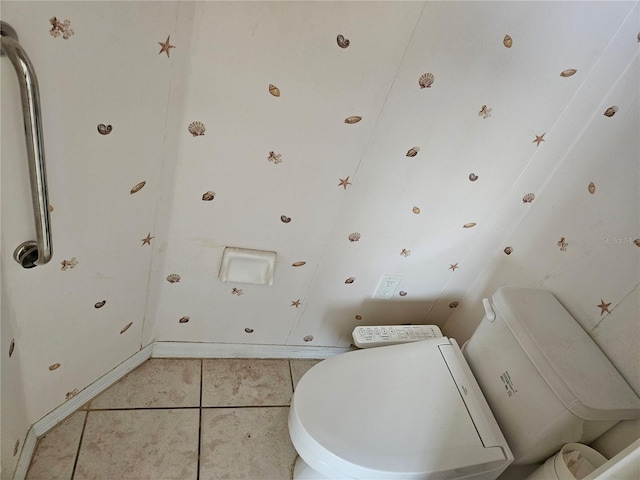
(387, 286)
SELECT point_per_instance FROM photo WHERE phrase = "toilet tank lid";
(567, 358)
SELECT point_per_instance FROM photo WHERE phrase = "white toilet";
(418, 410)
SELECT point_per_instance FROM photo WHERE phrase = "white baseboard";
(240, 350)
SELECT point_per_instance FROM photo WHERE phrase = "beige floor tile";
(159, 382)
(299, 368)
(239, 382)
(139, 445)
(56, 451)
(246, 444)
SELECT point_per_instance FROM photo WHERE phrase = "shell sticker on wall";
(528, 198)
(416, 210)
(636, 242)
(454, 305)
(539, 139)
(469, 225)
(71, 394)
(100, 304)
(453, 266)
(16, 447)
(426, 80)
(248, 330)
(473, 177)
(147, 239)
(508, 250)
(285, 219)
(166, 46)
(184, 319)
(55, 366)
(274, 157)
(413, 152)
(67, 264)
(173, 278)
(604, 307)
(104, 129)
(485, 112)
(611, 111)
(402, 293)
(569, 72)
(344, 182)
(208, 196)
(562, 244)
(342, 42)
(405, 253)
(592, 188)
(352, 120)
(237, 291)
(358, 317)
(638, 37)
(126, 327)
(273, 90)
(60, 28)
(298, 264)
(507, 41)
(296, 303)
(350, 280)
(196, 129)
(354, 237)
(51, 208)
(308, 338)
(12, 346)
(138, 187)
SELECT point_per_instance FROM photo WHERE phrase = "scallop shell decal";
(426, 80)
(16, 447)
(569, 72)
(248, 330)
(184, 319)
(208, 196)
(473, 177)
(508, 250)
(636, 242)
(71, 394)
(285, 219)
(100, 304)
(413, 152)
(138, 187)
(354, 237)
(298, 264)
(454, 305)
(126, 327)
(173, 278)
(350, 280)
(469, 225)
(51, 208)
(12, 347)
(402, 293)
(416, 210)
(611, 111)
(197, 128)
(358, 317)
(308, 338)
(507, 41)
(352, 120)
(342, 42)
(528, 198)
(273, 90)
(104, 129)
(592, 188)
(405, 253)
(55, 366)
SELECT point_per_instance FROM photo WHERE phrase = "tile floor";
(180, 419)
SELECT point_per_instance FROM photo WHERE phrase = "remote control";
(376, 336)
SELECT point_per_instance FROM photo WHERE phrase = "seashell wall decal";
(67, 264)
(354, 237)
(636, 242)
(507, 41)
(71, 394)
(528, 198)
(237, 291)
(248, 330)
(454, 305)
(208, 196)
(562, 244)
(173, 278)
(296, 303)
(298, 264)
(275, 157)
(285, 219)
(350, 280)
(12, 346)
(639, 37)
(138, 187)
(416, 210)
(426, 80)
(508, 250)
(344, 182)
(568, 72)
(591, 188)
(100, 304)
(50, 208)
(55, 366)
(104, 129)
(126, 327)
(469, 225)
(402, 293)
(60, 28)
(611, 111)
(473, 177)
(358, 317)
(273, 90)
(413, 152)
(485, 112)
(405, 253)
(197, 128)
(308, 338)
(342, 42)
(352, 120)
(16, 447)
(184, 319)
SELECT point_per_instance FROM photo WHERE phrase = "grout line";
(200, 421)
(84, 426)
(291, 376)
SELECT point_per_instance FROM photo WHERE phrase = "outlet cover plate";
(387, 286)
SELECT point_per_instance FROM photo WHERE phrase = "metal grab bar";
(30, 253)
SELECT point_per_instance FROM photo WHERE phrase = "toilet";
(523, 387)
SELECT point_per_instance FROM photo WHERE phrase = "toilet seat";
(396, 413)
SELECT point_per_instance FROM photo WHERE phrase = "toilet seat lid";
(395, 413)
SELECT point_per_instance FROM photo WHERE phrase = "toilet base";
(302, 471)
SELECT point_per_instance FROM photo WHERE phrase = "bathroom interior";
(458, 146)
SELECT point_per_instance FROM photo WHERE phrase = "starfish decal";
(296, 303)
(453, 266)
(166, 46)
(604, 307)
(147, 240)
(344, 182)
(539, 139)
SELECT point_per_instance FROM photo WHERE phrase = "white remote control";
(376, 336)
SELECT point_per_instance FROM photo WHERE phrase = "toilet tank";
(545, 379)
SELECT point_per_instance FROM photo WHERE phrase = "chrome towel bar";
(30, 253)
